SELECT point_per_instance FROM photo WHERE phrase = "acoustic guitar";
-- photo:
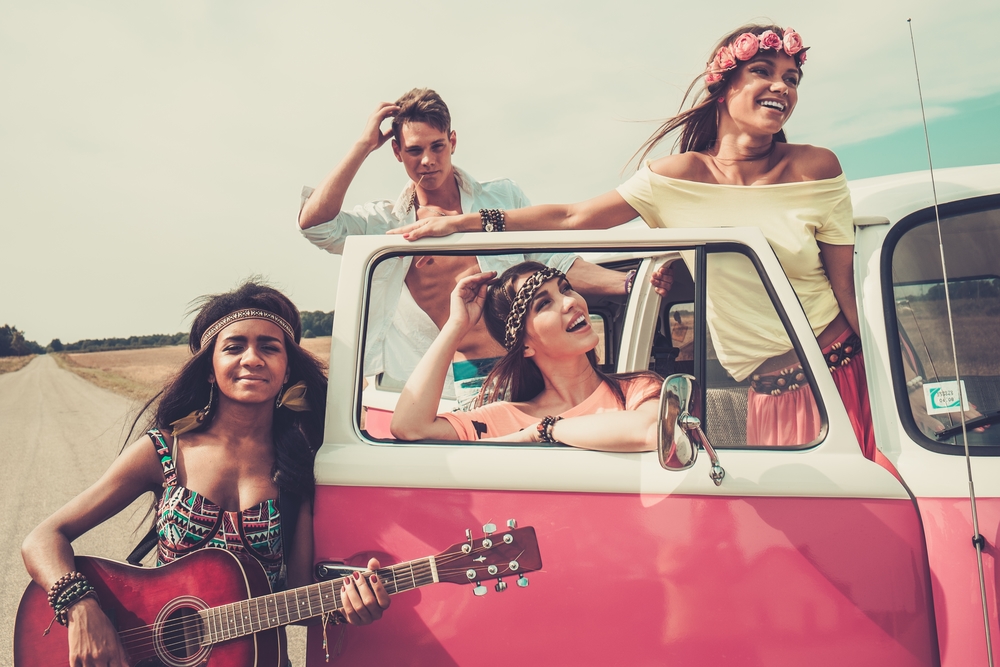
(214, 608)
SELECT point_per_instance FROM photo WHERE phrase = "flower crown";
(746, 47)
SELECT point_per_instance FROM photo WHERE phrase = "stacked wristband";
(545, 429)
(493, 219)
(66, 592)
(629, 281)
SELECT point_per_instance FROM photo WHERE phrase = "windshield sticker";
(941, 397)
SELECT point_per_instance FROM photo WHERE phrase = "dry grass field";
(139, 374)
(11, 364)
(926, 325)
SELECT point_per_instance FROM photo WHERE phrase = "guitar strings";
(140, 639)
(176, 628)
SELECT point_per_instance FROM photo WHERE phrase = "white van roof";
(898, 195)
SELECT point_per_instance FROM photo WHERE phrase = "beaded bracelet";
(545, 429)
(61, 583)
(914, 383)
(493, 219)
(66, 592)
(629, 281)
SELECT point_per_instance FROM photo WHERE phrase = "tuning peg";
(479, 591)
(522, 581)
(501, 586)
(511, 523)
(489, 528)
(467, 548)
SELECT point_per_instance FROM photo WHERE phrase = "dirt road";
(58, 433)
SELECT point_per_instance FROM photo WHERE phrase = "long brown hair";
(699, 124)
(515, 377)
(297, 435)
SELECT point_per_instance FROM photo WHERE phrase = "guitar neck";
(246, 617)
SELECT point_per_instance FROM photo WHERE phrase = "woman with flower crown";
(735, 168)
(229, 456)
(546, 388)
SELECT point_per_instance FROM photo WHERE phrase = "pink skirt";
(792, 417)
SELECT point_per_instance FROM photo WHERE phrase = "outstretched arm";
(607, 210)
(594, 280)
(326, 201)
(48, 554)
(625, 431)
(415, 417)
(621, 431)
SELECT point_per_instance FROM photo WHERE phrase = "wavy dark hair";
(421, 105)
(699, 124)
(516, 377)
(297, 435)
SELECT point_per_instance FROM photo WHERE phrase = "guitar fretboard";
(270, 611)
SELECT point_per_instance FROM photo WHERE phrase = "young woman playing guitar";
(237, 428)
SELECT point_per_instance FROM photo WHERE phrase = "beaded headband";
(246, 314)
(519, 306)
(746, 46)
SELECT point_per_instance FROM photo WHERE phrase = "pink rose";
(724, 60)
(745, 46)
(712, 77)
(793, 42)
(770, 40)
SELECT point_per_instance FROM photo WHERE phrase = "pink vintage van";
(804, 555)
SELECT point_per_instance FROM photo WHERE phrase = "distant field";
(139, 374)
(11, 364)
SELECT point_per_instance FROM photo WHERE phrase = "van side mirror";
(679, 434)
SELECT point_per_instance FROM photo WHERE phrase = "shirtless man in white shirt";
(423, 141)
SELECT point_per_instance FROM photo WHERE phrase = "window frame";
(701, 250)
(700, 344)
(897, 372)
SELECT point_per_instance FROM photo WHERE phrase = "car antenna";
(977, 538)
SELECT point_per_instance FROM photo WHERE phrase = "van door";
(913, 371)
(805, 553)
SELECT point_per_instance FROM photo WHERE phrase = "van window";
(725, 331)
(757, 394)
(402, 324)
(930, 400)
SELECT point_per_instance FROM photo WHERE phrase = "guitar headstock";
(492, 556)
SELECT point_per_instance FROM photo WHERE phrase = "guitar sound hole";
(182, 633)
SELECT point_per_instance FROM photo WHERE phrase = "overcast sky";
(151, 152)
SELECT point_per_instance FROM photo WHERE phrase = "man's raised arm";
(325, 202)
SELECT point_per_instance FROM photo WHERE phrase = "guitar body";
(152, 611)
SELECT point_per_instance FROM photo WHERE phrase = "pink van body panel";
(955, 576)
(748, 581)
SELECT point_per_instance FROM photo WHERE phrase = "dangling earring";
(294, 398)
(194, 419)
(205, 411)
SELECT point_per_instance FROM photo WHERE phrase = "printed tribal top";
(186, 520)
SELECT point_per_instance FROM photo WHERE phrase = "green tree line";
(14, 344)
(316, 323)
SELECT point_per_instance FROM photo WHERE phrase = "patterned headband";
(519, 306)
(246, 314)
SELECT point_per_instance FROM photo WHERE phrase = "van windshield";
(935, 400)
